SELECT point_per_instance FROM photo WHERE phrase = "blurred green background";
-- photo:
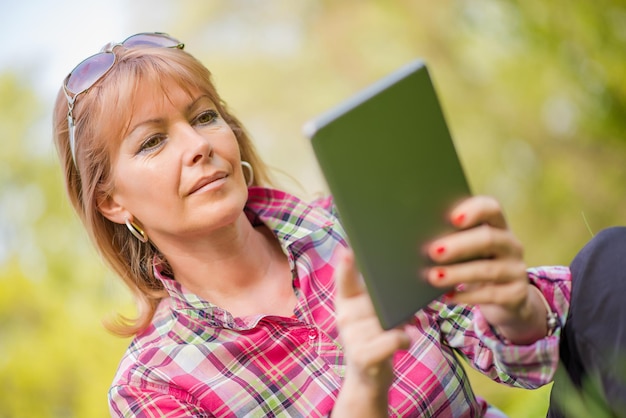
(534, 92)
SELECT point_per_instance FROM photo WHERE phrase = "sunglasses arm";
(71, 127)
(72, 131)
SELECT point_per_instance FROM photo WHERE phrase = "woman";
(249, 303)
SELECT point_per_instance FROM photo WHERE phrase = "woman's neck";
(243, 270)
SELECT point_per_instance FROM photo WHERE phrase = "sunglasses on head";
(92, 69)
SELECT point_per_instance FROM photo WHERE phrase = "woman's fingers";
(500, 283)
(368, 347)
(482, 241)
(352, 300)
(482, 262)
(482, 233)
(374, 344)
(478, 210)
(378, 351)
(347, 279)
(478, 271)
(483, 265)
(509, 296)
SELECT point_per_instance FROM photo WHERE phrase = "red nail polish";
(441, 273)
(458, 220)
(449, 294)
(440, 250)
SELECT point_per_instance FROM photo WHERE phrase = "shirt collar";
(290, 218)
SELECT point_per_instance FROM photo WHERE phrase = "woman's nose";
(197, 148)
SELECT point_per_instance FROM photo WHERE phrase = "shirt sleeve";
(131, 401)
(527, 366)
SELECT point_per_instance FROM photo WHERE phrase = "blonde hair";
(102, 115)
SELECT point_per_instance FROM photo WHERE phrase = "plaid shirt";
(198, 360)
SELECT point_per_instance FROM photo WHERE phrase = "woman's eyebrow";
(199, 99)
(154, 121)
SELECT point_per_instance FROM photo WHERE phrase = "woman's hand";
(483, 263)
(367, 347)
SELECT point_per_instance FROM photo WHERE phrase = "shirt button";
(312, 334)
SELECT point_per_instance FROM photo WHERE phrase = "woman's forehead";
(151, 101)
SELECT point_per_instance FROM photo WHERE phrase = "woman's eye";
(152, 143)
(206, 117)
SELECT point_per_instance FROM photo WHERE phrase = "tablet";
(390, 163)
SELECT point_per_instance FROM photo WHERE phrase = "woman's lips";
(208, 183)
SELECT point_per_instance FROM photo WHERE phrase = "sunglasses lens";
(151, 40)
(89, 71)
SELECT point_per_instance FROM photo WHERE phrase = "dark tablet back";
(390, 163)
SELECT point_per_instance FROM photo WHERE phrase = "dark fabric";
(593, 342)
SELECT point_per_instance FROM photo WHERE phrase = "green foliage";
(56, 360)
(533, 91)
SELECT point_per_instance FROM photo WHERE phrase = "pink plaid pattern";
(198, 360)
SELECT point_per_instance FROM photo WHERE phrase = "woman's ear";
(111, 209)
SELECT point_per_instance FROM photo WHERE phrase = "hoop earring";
(136, 231)
(250, 170)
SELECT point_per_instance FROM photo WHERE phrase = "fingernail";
(441, 273)
(449, 295)
(440, 250)
(458, 220)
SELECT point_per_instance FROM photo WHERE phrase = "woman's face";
(177, 171)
